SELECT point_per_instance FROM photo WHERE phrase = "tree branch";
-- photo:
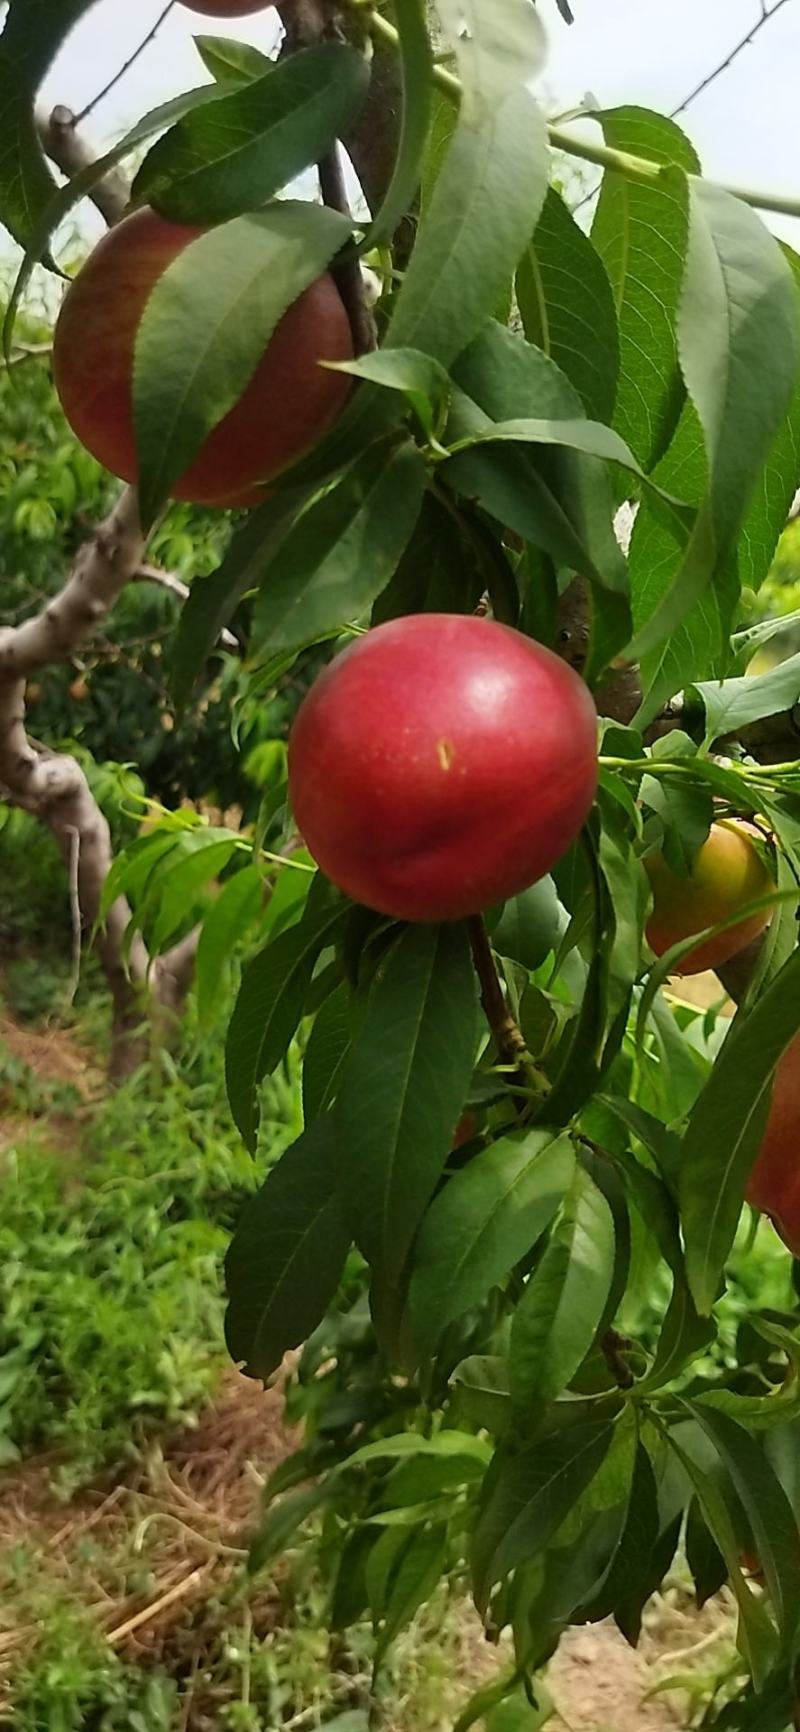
(176, 586)
(507, 1033)
(71, 152)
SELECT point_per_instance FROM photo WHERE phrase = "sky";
(651, 52)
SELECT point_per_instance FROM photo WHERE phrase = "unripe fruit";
(226, 8)
(774, 1185)
(727, 873)
(442, 764)
(288, 403)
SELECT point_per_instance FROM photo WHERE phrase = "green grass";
(111, 1254)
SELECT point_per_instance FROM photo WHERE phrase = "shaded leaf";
(32, 35)
(267, 1011)
(342, 551)
(768, 1511)
(725, 1129)
(328, 1046)
(286, 1256)
(228, 918)
(558, 1315)
(403, 1088)
(528, 1496)
(212, 600)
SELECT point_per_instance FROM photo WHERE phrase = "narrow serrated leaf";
(207, 325)
(486, 1218)
(404, 1087)
(287, 1255)
(267, 1012)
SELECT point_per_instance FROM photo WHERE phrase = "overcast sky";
(646, 51)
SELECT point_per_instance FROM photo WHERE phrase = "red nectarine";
(226, 8)
(288, 403)
(727, 872)
(441, 764)
(774, 1185)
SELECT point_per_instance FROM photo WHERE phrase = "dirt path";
(598, 1683)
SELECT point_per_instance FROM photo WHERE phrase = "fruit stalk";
(508, 1035)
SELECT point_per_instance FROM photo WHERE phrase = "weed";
(111, 1283)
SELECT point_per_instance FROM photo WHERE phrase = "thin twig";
(765, 17)
(637, 168)
(347, 271)
(131, 61)
(176, 586)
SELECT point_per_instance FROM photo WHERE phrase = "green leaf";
(567, 306)
(768, 1511)
(589, 438)
(407, 1445)
(64, 198)
(555, 499)
(342, 551)
(488, 1216)
(480, 1395)
(212, 600)
(756, 1635)
(627, 1571)
(703, 1556)
(726, 1126)
(33, 33)
(207, 324)
(732, 704)
(232, 155)
(328, 1046)
(640, 230)
(421, 1568)
(558, 1315)
(404, 1088)
(267, 1011)
(228, 919)
(686, 812)
(286, 1256)
(739, 355)
(528, 1496)
(491, 187)
(517, 1713)
(232, 62)
(439, 571)
(281, 1524)
(179, 883)
(683, 1336)
(530, 925)
(699, 647)
(416, 74)
(424, 382)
